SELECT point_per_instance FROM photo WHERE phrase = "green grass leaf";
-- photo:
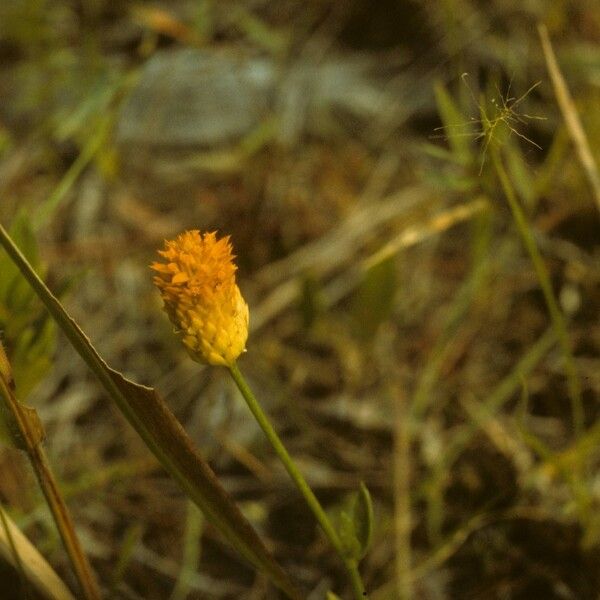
(355, 523)
(455, 126)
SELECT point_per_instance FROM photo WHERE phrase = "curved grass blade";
(15, 548)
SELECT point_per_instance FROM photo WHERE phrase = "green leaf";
(18, 420)
(332, 596)
(374, 300)
(439, 152)
(355, 523)
(310, 302)
(520, 173)
(363, 518)
(456, 127)
(151, 417)
(14, 292)
(28, 330)
(32, 354)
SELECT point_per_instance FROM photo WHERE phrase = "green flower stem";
(312, 501)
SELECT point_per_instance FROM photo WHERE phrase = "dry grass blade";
(569, 112)
(38, 572)
(415, 234)
(402, 496)
(328, 253)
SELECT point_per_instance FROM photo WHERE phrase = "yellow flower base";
(200, 295)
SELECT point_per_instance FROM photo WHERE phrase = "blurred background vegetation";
(400, 335)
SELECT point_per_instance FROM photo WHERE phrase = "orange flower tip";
(201, 298)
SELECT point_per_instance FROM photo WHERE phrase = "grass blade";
(16, 548)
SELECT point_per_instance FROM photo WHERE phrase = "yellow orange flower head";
(197, 285)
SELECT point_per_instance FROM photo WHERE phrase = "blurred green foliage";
(29, 334)
(355, 523)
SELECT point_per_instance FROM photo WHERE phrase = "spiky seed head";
(200, 295)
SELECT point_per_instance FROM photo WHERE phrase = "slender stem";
(54, 499)
(402, 500)
(556, 316)
(65, 524)
(570, 115)
(312, 501)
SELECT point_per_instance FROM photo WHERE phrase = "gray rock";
(207, 99)
(196, 98)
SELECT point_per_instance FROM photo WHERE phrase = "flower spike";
(201, 298)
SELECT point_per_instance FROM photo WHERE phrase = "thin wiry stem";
(402, 482)
(309, 496)
(54, 499)
(556, 316)
(570, 115)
